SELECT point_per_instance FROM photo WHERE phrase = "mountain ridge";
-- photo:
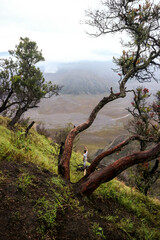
(84, 77)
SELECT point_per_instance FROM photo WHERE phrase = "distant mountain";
(84, 77)
(89, 77)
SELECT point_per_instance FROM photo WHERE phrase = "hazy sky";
(55, 26)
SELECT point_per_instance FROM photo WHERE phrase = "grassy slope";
(36, 204)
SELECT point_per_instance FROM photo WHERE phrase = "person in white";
(85, 159)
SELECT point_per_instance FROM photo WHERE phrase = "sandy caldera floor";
(57, 111)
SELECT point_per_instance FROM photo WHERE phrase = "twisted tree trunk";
(95, 179)
(29, 127)
(116, 148)
(63, 167)
(4, 104)
(17, 116)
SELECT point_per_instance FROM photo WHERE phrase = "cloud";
(55, 26)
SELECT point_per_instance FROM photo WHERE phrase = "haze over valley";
(84, 85)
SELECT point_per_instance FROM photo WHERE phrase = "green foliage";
(24, 180)
(19, 140)
(3, 121)
(58, 182)
(126, 225)
(22, 83)
(76, 159)
(146, 232)
(46, 209)
(156, 106)
(98, 231)
(15, 146)
(140, 21)
(112, 219)
(143, 213)
(27, 51)
(141, 112)
(146, 210)
(145, 123)
(46, 212)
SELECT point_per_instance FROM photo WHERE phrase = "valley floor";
(111, 121)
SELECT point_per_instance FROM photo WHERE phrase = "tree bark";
(4, 105)
(29, 127)
(118, 147)
(95, 179)
(17, 117)
(60, 151)
(63, 167)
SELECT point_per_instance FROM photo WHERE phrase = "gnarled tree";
(140, 20)
(145, 123)
(22, 83)
(8, 68)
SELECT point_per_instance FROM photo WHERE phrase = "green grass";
(35, 148)
(143, 213)
(24, 181)
(46, 212)
(145, 209)
(98, 231)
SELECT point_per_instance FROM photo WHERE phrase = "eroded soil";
(19, 218)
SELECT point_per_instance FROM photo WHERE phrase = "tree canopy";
(22, 83)
(140, 21)
(145, 123)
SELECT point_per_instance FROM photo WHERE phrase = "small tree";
(144, 123)
(23, 83)
(141, 21)
(156, 109)
(8, 71)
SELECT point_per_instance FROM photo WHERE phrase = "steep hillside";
(36, 204)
